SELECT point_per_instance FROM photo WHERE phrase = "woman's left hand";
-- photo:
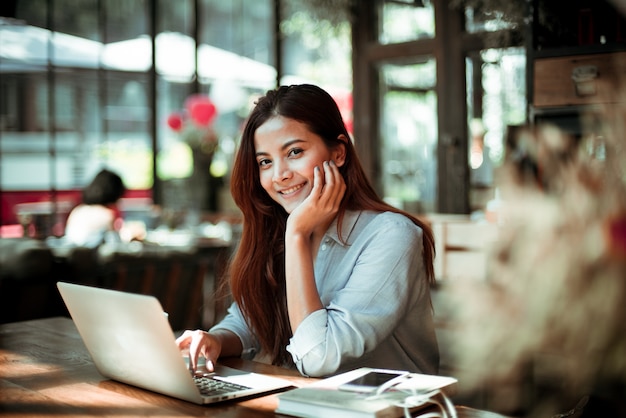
(305, 227)
(322, 204)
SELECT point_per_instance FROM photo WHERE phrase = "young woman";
(326, 277)
(97, 215)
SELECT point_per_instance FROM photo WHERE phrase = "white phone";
(372, 380)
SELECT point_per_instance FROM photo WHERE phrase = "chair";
(182, 279)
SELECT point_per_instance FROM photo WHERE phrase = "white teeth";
(291, 190)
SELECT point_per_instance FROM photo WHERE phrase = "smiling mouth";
(291, 190)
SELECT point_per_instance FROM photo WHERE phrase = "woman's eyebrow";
(290, 143)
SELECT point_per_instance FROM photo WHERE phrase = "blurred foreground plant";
(551, 315)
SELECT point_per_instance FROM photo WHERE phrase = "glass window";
(496, 82)
(175, 46)
(77, 124)
(239, 26)
(409, 135)
(125, 19)
(73, 107)
(316, 48)
(127, 46)
(502, 88)
(200, 113)
(176, 69)
(128, 145)
(79, 95)
(406, 20)
(236, 49)
(25, 142)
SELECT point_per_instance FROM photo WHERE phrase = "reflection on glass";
(409, 135)
(25, 46)
(215, 64)
(408, 20)
(417, 76)
(128, 55)
(498, 16)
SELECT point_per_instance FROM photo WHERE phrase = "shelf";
(578, 50)
(576, 62)
(578, 79)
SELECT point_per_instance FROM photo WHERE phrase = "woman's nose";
(281, 172)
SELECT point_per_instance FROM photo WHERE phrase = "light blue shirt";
(377, 302)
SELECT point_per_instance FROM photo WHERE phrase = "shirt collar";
(349, 221)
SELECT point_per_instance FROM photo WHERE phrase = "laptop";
(130, 340)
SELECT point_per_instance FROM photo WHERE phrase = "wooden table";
(45, 370)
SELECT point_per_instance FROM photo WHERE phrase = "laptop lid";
(130, 340)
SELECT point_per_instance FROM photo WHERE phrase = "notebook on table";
(370, 393)
(130, 340)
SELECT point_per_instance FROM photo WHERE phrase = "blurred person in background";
(97, 218)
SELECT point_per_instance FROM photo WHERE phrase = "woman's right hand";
(200, 343)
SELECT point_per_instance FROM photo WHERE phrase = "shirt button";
(323, 247)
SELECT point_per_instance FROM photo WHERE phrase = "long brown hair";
(257, 271)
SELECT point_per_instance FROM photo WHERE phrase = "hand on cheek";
(321, 206)
(334, 185)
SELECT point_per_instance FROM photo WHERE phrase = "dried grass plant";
(551, 315)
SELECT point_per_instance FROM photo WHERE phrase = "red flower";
(201, 109)
(175, 121)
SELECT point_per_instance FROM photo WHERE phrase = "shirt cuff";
(310, 333)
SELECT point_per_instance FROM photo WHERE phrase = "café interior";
(501, 123)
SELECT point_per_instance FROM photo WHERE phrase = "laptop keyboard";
(209, 386)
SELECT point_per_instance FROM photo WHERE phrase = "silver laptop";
(130, 340)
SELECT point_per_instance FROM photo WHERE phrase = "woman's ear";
(339, 152)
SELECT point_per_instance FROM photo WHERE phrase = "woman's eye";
(264, 163)
(294, 152)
